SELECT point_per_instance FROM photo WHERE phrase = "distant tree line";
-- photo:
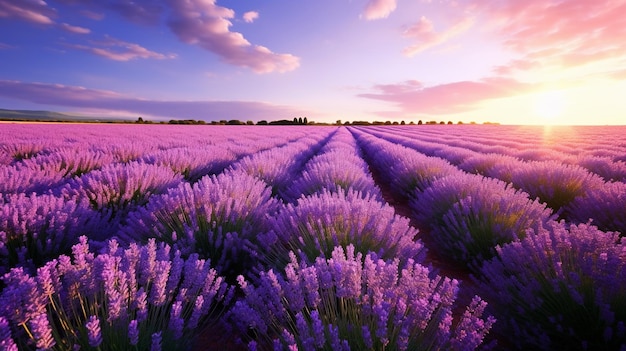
(301, 121)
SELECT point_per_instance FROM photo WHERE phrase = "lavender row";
(337, 165)
(576, 194)
(549, 283)
(529, 143)
(134, 298)
(37, 162)
(221, 216)
(334, 257)
(467, 215)
(335, 202)
(602, 154)
(100, 300)
(36, 227)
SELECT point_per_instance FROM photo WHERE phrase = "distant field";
(434, 237)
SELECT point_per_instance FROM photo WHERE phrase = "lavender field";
(439, 237)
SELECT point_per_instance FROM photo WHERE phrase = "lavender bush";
(37, 228)
(554, 183)
(605, 207)
(119, 187)
(562, 287)
(476, 224)
(332, 171)
(193, 163)
(70, 162)
(406, 170)
(121, 299)
(320, 222)
(216, 218)
(351, 301)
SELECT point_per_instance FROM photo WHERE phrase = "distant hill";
(49, 116)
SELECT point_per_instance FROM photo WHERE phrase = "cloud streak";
(36, 11)
(74, 29)
(425, 37)
(119, 50)
(412, 97)
(84, 98)
(205, 24)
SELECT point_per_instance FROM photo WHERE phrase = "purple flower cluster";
(193, 163)
(37, 228)
(277, 166)
(605, 207)
(351, 301)
(561, 287)
(217, 218)
(120, 186)
(338, 165)
(318, 223)
(554, 183)
(404, 169)
(108, 299)
(470, 215)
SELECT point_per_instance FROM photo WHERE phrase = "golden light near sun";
(550, 105)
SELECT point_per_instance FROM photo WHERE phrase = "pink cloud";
(34, 11)
(203, 23)
(74, 29)
(118, 50)
(377, 9)
(424, 35)
(414, 98)
(558, 33)
(109, 101)
(250, 16)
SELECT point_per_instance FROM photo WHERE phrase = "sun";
(550, 105)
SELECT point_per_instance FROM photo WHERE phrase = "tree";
(420, 122)
(306, 121)
(402, 123)
(338, 122)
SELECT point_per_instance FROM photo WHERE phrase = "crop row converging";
(137, 237)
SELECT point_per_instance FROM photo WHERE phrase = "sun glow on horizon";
(550, 105)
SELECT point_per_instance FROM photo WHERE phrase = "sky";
(505, 61)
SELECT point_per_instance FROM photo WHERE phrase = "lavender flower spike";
(93, 331)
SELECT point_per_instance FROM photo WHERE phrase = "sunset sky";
(507, 61)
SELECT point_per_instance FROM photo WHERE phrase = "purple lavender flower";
(318, 223)
(605, 207)
(93, 331)
(133, 332)
(93, 293)
(156, 342)
(554, 183)
(559, 282)
(193, 162)
(6, 341)
(119, 186)
(406, 310)
(216, 217)
(37, 228)
(41, 331)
